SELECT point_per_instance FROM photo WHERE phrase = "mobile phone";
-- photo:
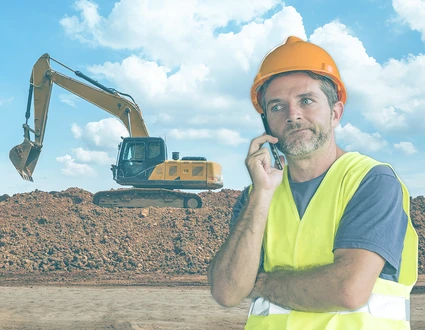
(273, 147)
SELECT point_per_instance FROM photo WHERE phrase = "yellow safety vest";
(291, 242)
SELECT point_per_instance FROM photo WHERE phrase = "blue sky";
(190, 64)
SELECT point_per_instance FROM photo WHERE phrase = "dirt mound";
(64, 232)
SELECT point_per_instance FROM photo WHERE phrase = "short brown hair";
(326, 85)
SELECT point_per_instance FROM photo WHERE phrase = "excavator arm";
(25, 155)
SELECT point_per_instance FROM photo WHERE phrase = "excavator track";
(145, 197)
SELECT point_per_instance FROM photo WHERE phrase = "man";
(331, 231)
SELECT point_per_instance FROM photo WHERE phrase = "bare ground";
(127, 307)
(160, 303)
(52, 307)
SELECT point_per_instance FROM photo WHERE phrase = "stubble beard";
(303, 146)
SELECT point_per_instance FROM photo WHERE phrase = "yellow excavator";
(142, 160)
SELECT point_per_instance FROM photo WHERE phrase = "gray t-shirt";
(373, 220)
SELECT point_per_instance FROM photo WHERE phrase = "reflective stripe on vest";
(389, 307)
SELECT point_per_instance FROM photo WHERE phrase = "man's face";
(298, 114)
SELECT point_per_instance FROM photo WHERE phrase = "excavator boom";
(25, 155)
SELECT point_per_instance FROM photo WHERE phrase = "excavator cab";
(138, 157)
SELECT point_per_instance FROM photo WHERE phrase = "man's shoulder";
(365, 158)
(381, 169)
(357, 162)
(377, 167)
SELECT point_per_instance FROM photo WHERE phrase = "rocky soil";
(64, 237)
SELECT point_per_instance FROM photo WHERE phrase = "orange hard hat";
(296, 54)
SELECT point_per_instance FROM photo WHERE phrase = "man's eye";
(277, 107)
(306, 101)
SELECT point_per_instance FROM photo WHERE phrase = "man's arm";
(345, 284)
(233, 270)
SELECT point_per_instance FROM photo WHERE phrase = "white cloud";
(90, 19)
(164, 22)
(412, 13)
(407, 147)
(95, 157)
(71, 168)
(186, 65)
(191, 134)
(355, 140)
(5, 101)
(146, 78)
(151, 79)
(105, 133)
(228, 137)
(388, 118)
(165, 117)
(187, 78)
(68, 99)
(223, 136)
(391, 96)
(77, 131)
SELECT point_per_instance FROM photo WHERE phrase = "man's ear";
(337, 111)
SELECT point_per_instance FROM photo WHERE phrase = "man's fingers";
(259, 163)
(257, 143)
(262, 155)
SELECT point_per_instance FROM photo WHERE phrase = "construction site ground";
(66, 263)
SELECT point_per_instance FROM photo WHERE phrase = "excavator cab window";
(134, 151)
(154, 149)
(139, 152)
(133, 158)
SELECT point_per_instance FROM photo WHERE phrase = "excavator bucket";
(24, 157)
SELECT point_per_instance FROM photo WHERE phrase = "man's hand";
(259, 281)
(258, 162)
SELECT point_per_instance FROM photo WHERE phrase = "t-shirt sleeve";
(374, 219)
(238, 207)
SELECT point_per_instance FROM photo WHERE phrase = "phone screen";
(273, 147)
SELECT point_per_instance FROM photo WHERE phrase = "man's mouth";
(298, 130)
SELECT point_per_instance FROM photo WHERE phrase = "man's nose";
(294, 113)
